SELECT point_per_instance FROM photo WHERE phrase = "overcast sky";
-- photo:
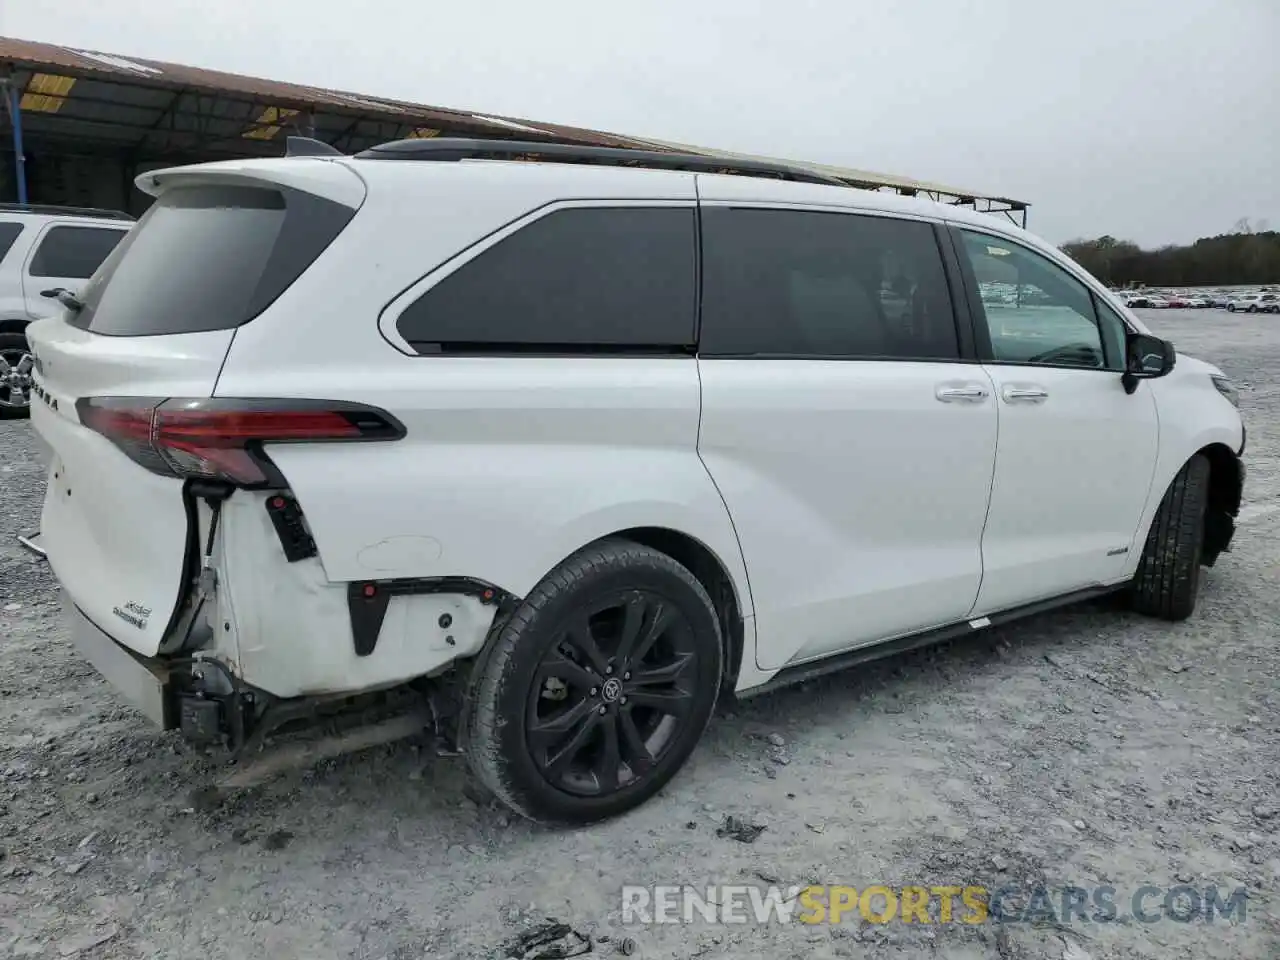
(1152, 120)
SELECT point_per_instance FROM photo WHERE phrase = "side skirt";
(789, 676)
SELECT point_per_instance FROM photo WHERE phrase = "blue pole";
(19, 164)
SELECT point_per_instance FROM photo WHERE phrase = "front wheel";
(1168, 577)
(1231, 308)
(1253, 308)
(15, 376)
(597, 688)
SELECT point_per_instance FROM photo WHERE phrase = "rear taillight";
(222, 439)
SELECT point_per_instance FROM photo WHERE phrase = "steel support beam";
(13, 102)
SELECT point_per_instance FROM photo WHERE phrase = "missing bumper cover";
(367, 602)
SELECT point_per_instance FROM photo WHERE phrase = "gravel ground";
(1083, 748)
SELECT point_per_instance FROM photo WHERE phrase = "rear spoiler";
(327, 177)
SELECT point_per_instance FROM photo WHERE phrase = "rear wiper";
(64, 297)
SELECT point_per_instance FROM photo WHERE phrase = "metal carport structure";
(83, 124)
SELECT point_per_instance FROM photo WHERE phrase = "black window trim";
(1124, 326)
(392, 311)
(980, 326)
(966, 322)
(961, 314)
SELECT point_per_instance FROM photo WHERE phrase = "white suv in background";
(1254, 303)
(43, 249)
(569, 442)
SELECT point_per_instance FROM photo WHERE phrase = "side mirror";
(1145, 358)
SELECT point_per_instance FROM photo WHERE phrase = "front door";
(1076, 452)
(852, 446)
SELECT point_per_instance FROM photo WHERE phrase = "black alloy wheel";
(608, 698)
(597, 688)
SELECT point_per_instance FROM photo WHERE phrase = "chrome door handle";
(967, 394)
(1025, 394)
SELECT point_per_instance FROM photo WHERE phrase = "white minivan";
(568, 442)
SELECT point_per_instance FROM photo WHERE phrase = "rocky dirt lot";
(1085, 748)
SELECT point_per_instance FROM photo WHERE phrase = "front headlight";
(1226, 388)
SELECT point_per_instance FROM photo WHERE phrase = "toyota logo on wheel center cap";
(611, 690)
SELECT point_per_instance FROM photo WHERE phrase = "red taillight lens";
(222, 439)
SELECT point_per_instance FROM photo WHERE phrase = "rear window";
(73, 253)
(578, 280)
(208, 258)
(8, 233)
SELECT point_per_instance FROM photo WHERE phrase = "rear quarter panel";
(510, 464)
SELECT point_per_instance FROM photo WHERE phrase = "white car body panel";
(1072, 479)
(116, 534)
(832, 470)
(530, 460)
(1193, 416)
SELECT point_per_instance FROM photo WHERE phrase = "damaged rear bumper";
(145, 683)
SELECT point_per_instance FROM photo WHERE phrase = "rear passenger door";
(851, 440)
(65, 255)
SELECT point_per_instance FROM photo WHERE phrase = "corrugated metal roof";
(169, 108)
(155, 74)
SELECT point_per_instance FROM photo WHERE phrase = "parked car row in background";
(1264, 301)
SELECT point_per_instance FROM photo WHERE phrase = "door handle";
(1025, 394)
(971, 393)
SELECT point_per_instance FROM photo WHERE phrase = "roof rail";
(309, 147)
(49, 209)
(462, 148)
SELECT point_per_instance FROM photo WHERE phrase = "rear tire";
(597, 688)
(12, 345)
(1168, 577)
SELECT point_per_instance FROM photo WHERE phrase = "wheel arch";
(1225, 483)
(714, 575)
(14, 324)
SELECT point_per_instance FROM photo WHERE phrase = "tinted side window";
(73, 252)
(1036, 312)
(8, 233)
(795, 283)
(593, 277)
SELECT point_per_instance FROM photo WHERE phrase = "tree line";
(1244, 256)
